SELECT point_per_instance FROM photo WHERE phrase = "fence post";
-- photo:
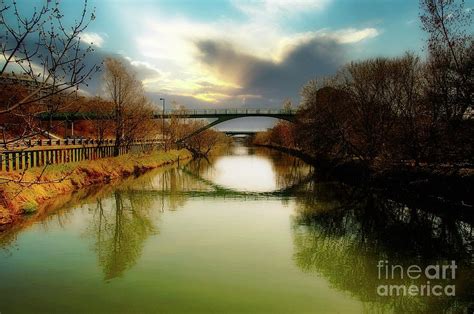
(27, 159)
(20, 160)
(7, 161)
(35, 158)
(14, 161)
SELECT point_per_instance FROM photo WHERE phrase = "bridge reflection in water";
(340, 232)
(337, 232)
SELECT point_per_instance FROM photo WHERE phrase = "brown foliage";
(43, 56)
(379, 111)
(132, 111)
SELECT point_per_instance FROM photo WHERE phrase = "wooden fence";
(43, 152)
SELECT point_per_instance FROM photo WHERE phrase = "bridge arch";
(289, 116)
(221, 115)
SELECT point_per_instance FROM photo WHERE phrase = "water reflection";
(255, 170)
(341, 233)
(121, 224)
(120, 231)
(338, 233)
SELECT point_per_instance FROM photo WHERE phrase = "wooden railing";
(39, 153)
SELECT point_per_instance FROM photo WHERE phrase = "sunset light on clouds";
(242, 53)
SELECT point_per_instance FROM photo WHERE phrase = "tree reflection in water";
(341, 233)
(122, 223)
(289, 171)
(120, 232)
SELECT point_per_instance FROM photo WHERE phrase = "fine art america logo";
(437, 280)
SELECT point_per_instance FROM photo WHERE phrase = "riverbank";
(23, 192)
(441, 184)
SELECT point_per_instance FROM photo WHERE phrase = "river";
(249, 231)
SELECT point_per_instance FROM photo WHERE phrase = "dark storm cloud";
(93, 59)
(273, 81)
(98, 56)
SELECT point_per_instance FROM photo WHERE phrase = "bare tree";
(451, 57)
(323, 126)
(132, 111)
(42, 58)
(178, 125)
(391, 111)
(102, 108)
(201, 144)
(138, 121)
(43, 49)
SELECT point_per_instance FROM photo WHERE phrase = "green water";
(249, 231)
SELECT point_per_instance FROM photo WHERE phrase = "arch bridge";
(220, 115)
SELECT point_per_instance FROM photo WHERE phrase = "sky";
(246, 53)
(228, 54)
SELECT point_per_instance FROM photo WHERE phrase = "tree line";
(129, 115)
(387, 111)
(44, 63)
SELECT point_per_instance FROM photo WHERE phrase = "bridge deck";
(191, 113)
(215, 113)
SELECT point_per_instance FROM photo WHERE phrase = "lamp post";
(50, 110)
(163, 123)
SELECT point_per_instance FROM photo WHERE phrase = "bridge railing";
(42, 152)
(75, 116)
(241, 111)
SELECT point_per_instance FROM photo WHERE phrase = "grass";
(29, 207)
(40, 184)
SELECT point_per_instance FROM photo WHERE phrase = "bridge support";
(210, 125)
(223, 118)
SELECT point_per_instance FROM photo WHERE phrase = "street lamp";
(163, 123)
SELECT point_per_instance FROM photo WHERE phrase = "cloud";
(145, 72)
(170, 38)
(189, 52)
(267, 80)
(271, 9)
(352, 35)
(63, 74)
(92, 38)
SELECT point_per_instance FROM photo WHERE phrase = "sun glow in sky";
(243, 53)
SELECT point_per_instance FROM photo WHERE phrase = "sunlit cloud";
(171, 46)
(352, 35)
(92, 39)
(270, 9)
(272, 80)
